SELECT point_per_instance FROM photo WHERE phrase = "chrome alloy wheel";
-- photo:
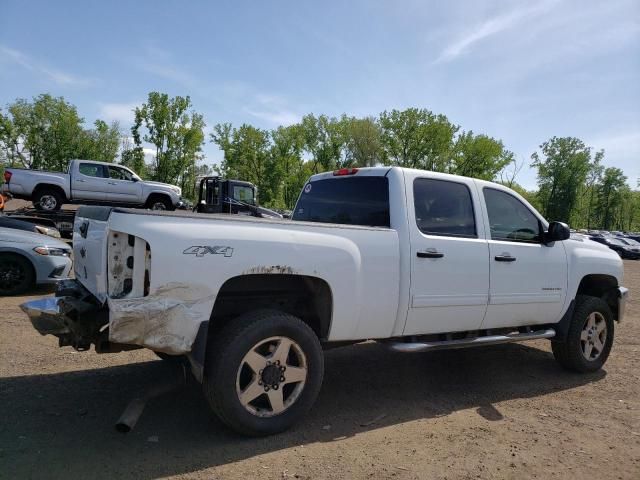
(593, 336)
(158, 206)
(271, 376)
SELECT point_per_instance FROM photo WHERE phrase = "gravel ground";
(499, 412)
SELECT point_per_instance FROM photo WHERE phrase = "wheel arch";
(603, 286)
(306, 297)
(158, 194)
(49, 186)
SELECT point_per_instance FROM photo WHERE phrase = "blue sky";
(521, 71)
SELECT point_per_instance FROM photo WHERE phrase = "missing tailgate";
(129, 263)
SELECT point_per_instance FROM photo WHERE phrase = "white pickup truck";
(415, 259)
(89, 182)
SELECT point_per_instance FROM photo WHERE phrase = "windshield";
(631, 241)
(243, 194)
(345, 200)
(615, 241)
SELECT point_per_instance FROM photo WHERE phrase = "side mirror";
(557, 231)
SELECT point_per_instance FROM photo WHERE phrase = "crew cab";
(89, 182)
(415, 259)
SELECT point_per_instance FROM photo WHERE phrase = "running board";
(408, 347)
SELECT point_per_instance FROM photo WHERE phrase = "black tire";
(47, 200)
(570, 353)
(16, 274)
(224, 367)
(160, 202)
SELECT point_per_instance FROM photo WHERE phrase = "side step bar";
(408, 347)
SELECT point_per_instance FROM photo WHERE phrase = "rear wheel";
(263, 372)
(48, 200)
(16, 274)
(589, 338)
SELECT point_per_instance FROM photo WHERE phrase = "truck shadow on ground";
(62, 425)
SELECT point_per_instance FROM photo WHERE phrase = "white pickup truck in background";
(89, 182)
(415, 259)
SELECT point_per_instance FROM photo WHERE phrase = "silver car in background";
(28, 259)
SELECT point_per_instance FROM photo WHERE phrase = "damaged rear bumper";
(45, 316)
(74, 315)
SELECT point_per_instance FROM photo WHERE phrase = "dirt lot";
(502, 412)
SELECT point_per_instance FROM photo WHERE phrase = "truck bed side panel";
(191, 259)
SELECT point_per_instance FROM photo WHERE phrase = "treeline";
(573, 185)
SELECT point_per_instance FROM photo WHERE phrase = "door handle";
(112, 183)
(430, 254)
(79, 180)
(505, 258)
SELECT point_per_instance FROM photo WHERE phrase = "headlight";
(55, 252)
(52, 232)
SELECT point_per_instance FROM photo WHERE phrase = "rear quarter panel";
(360, 265)
(24, 182)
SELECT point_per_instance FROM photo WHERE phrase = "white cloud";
(276, 117)
(272, 108)
(118, 112)
(491, 27)
(29, 63)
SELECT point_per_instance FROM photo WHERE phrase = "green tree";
(289, 167)
(610, 193)
(362, 142)
(101, 143)
(43, 134)
(247, 157)
(479, 156)
(324, 142)
(176, 132)
(133, 157)
(563, 168)
(417, 138)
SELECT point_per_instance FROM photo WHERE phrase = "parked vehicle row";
(627, 248)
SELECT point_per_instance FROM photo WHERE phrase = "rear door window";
(346, 200)
(443, 208)
(91, 170)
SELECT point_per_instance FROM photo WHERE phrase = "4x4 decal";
(202, 250)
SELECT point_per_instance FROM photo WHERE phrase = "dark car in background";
(620, 245)
(29, 225)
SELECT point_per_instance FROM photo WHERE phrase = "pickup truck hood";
(586, 257)
(580, 241)
(160, 184)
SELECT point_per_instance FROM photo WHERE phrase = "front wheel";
(589, 338)
(160, 202)
(263, 372)
(16, 274)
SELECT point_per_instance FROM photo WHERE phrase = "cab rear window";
(351, 200)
